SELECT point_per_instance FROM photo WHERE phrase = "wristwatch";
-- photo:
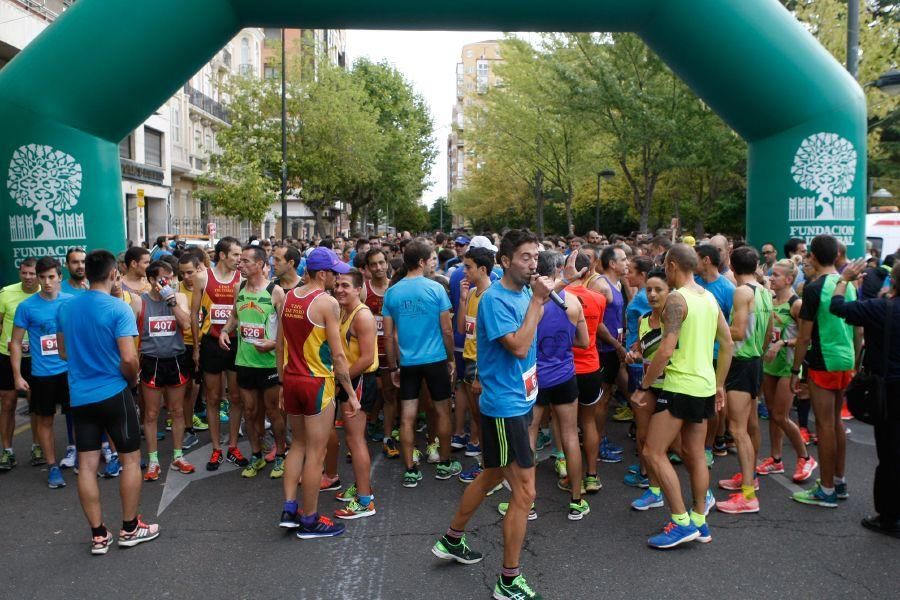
(795, 371)
(643, 389)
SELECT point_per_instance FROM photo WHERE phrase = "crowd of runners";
(444, 350)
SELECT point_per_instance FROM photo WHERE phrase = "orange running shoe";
(846, 415)
(734, 484)
(770, 467)
(215, 460)
(181, 465)
(737, 504)
(152, 473)
(805, 468)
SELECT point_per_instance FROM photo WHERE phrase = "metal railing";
(207, 104)
(48, 9)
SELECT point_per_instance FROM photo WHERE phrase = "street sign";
(140, 198)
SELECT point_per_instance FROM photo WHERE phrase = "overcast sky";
(428, 60)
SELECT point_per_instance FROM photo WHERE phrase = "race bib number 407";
(162, 326)
(219, 313)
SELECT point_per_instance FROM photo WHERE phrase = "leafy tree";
(439, 214)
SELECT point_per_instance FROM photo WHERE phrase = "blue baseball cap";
(462, 240)
(324, 259)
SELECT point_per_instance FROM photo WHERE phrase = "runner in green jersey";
(255, 319)
(777, 376)
(692, 391)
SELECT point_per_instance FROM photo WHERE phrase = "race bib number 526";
(253, 334)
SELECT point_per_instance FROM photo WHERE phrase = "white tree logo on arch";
(825, 164)
(48, 182)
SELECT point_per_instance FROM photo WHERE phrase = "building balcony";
(181, 160)
(222, 60)
(48, 10)
(203, 102)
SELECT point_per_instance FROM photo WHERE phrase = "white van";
(883, 231)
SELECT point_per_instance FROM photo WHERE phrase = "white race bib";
(531, 383)
(162, 326)
(379, 324)
(49, 346)
(470, 327)
(253, 333)
(219, 313)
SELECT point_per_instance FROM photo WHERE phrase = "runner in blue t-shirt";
(77, 282)
(36, 316)
(418, 330)
(508, 315)
(96, 338)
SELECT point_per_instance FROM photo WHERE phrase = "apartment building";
(474, 77)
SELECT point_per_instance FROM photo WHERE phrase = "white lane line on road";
(177, 482)
(786, 483)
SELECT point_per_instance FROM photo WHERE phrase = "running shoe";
(347, 495)
(612, 448)
(223, 414)
(709, 504)
(517, 590)
(215, 460)
(805, 468)
(460, 551)
(375, 431)
(734, 484)
(417, 456)
(559, 465)
(270, 454)
(636, 480)
(762, 411)
(807, 436)
(473, 450)
(7, 460)
(55, 479)
(152, 473)
(395, 433)
(277, 471)
(411, 478)
(235, 456)
(432, 452)
(816, 497)
(737, 504)
(106, 453)
(355, 510)
(770, 467)
(648, 500)
(705, 537)
(469, 475)
(496, 488)
(504, 506)
(591, 484)
(458, 442)
(719, 448)
(389, 448)
(710, 461)
(840, 490)
(168, 424)
(329, 484)
(100, 544)
(673, 535)
(69, 459)
(289, 520)
(635, 468)
(113, 467)
(544, 439)
(160, 436)
(253, 468)
(577, 510)
(199, 424)
(322, 528)
(339, 424)
(565, 485)
(190, 440)
(37, 456)
(846, 415)
(445, 471)
(674, 458)
(181, 465)
(608, 456)
(142, 533)
(623, 414)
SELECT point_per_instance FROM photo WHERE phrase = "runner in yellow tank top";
(692, 391)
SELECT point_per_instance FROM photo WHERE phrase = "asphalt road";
(220, 540)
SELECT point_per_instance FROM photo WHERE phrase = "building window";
(482, 78)
(245, 51)
(197, 141)
(152, 147)
(209, 142)
(271, 72)
(470, 69)
(125, 147)
(176, 123)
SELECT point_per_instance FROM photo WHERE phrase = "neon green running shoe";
(348, 495)
(278, 468)
(199, 424)
(504, 506)
(460, 552)
(256, 465)
(517, 590)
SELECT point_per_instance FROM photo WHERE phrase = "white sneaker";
(69, 460)
(106, 452)
(434, 455)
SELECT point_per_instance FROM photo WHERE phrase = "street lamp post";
(604, 174)
(853, 37)
(284, 210)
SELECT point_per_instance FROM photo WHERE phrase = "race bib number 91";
(49, 347)
(219, 313)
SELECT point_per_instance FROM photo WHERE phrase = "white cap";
(480, 241)
(254, 243)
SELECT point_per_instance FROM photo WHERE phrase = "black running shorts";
(159, 373)
(6, 375)
(590, 388)
(745, 375)
(253, 378)
(213, 359)
(685, 407)
(609, 365)
(506, 440)
(49, 392)
(117, 416)
(563, 393)
(436, 377)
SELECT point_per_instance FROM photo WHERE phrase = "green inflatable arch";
(105, 65)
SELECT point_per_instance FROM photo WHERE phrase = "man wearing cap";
(462, 246)
(310, 359)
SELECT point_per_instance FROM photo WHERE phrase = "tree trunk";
(570, 224)
(539, 198)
